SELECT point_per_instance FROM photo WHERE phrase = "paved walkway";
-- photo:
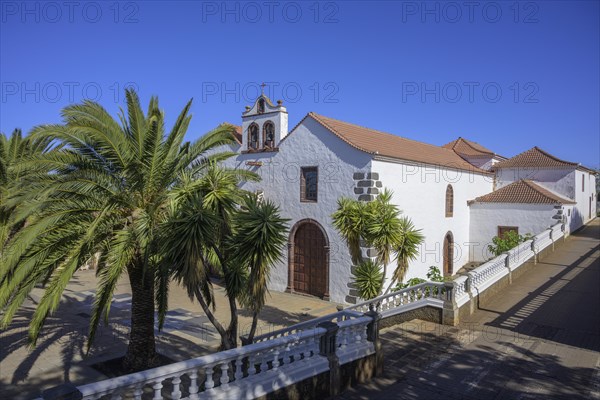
(60, 354)
(538, 339)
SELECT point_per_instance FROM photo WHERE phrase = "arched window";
(253, 137)
(261, 106)
(269, 134)
(449, 201)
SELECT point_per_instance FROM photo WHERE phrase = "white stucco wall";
(486, 217)
(420, 192)
(310, 145)
(560, 180)
(585, 186)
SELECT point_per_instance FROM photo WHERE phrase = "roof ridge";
(534, 157)
(456, 142)
(533, 186)
(469, 143)
(553, 157)
(540, 188)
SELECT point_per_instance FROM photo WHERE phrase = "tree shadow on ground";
(60, 353)
(451, 363)
(272, 318)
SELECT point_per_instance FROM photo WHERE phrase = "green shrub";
(508, 241)
(368, 278)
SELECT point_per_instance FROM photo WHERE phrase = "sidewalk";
(59, 356)
(537, 339)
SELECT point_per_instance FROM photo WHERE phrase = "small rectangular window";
(583, 182)
(309, 184)
(502, 230)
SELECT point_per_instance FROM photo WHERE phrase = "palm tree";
(222, 228)
(406, 249)
(378, 225)
(257, 244)
(14, 149)
(111, 188)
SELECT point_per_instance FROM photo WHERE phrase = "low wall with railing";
(340, 316)
(488, 279)
(316, 361)
(423, 301)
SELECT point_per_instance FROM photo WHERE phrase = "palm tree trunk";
(229, 338)
(232, 329)
(141, 351)
(225, 342)
(383, 278)
(253, 327)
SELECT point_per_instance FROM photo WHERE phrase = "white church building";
(460, 195)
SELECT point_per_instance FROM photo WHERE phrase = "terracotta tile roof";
(468, 148)
(523, 192)
(533, 158)
(388, 145)
(237, 133)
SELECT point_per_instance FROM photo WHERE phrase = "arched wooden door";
(309, 268)
(448, 254)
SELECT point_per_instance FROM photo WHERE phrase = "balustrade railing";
(461, 286)
(404, 299)
(306, 325)
(557, 231)
(223, 374)
(488, 273)
(352, 339)
(518, 255)
(541, 241)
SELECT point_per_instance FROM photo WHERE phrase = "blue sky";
(509, 75)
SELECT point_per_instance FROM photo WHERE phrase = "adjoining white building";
(523, 206)
(569, 179)
(306, 170)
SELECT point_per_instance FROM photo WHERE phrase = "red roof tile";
(523, 192)
(533, 158)
(388, 145)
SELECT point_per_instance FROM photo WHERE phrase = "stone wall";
(366, 185)
(426, 313)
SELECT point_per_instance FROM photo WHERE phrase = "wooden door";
(310, 262)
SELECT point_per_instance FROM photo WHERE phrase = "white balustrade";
(557, 231)
(461, 296)
(306, 325)
(487, 274)
(352, 340)
(541, 241)
(264, 360)
(426, 293)
(520, 254)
